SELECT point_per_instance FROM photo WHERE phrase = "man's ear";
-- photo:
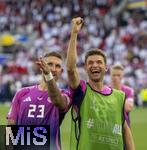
(62, 70)
(85, 67)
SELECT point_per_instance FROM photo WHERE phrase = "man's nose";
(95, 64)
(53, 68)
(116, 77)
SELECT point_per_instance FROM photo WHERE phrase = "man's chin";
(96, 79)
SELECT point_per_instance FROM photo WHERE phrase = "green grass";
(3, 113)
(138, 127)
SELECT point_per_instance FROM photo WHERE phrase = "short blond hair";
(117, 66)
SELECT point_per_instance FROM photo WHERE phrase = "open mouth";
(96, 72)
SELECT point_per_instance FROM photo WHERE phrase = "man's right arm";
(72, 71)
(14, 109)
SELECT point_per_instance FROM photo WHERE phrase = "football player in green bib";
(97, 110)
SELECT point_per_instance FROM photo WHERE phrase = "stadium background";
(30, 28)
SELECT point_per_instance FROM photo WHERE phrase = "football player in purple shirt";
(45, 103)
(117, 73)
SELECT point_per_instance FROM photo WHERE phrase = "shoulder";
(23, 91)
(128, 90)
(125, 87)
(81, 87)
(119, 92)
(66, 92)
(78, 94)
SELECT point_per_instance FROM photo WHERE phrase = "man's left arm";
(129, 104)
(128, 138)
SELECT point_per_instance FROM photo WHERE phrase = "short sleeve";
(14, 109)
(78, 94)
(130, 93)
(68, 95)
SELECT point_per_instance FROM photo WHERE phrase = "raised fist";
(77, 24)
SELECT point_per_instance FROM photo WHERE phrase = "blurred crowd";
(31, 28)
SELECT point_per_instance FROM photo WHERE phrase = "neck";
(116, 86)
(98, 86)
(42, 86)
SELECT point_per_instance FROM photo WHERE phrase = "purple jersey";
(31, 106)
(129, 92)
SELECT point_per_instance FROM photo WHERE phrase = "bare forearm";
(72, 72)
(73, 76)
(72, 52)
(129, 104)
(128, 138)
(55, 95)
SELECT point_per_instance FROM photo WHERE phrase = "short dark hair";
(96, 52)
(55, 54)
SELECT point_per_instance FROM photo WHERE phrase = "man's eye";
(50, 64)
(90, 62)
(58, 66)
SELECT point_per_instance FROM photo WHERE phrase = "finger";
(80, 21)
(43, 66)
(43, 61)
(38, 63)
(41, 70)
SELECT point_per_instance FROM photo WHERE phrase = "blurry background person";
(117, 73)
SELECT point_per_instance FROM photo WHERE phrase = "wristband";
(48, 77)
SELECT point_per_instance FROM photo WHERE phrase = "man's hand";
(43, 66)
(77, 24)
(129, 104)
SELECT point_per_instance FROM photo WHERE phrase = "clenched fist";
(77, 24)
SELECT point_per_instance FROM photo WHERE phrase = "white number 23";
(32, 110)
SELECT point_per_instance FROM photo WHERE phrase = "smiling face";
(95, 67)
(116, 75)
(55, 65)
